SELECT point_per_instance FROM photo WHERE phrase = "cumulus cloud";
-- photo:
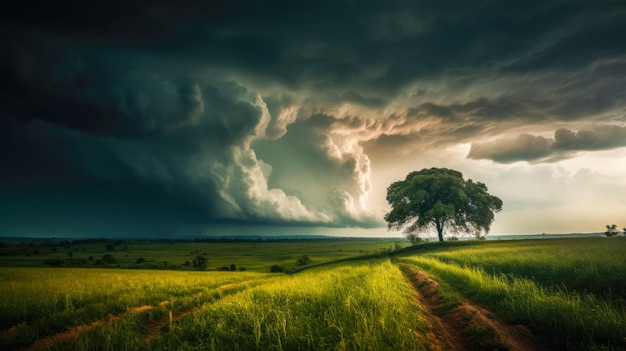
(194, 138)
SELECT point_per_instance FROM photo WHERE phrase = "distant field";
(252, 256)
(557, 293)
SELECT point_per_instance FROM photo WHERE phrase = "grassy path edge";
(465, 326)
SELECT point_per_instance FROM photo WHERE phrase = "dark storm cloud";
(532, 148)
(228, 108)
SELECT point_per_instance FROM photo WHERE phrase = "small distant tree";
(110, 247)
(201, 262)
(277, 269)
(233, 267)
(140, 260)
(624, 231)
(303, 260)
(108, 259)
(611, 230)
(414, 238)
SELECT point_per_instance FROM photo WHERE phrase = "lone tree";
(611, 230)
(440, 198)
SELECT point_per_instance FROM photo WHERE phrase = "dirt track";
(467, 326)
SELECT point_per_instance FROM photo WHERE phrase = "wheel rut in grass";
(466, 326)
(153, 327)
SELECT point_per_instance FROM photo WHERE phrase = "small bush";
(303, 260)
(277, 269)
(108, 259)
(140, 260)
(201, 262)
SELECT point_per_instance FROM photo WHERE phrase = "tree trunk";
(439, 226)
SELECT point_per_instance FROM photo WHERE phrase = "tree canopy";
(440, 198)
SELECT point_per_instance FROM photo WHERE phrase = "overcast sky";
(166, 118)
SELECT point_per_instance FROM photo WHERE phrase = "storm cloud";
(533, 148)
(276, 113)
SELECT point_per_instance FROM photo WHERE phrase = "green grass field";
(568, 292)
(253, 256)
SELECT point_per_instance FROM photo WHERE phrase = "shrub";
(303, 260)
(140, 260)
(277, 269)
(108, 259)
(201, 262)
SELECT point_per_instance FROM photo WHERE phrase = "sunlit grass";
(570, 318)
(594, 265)
(48, 300)
(350, 307)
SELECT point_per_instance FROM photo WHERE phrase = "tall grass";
(594, 265)
(43, 301)
(579, 321)
(349, 307)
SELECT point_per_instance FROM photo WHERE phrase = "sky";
(189, 118)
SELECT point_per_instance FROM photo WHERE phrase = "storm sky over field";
(165, 118)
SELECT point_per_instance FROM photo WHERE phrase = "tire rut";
(467, 326)
(153, 330)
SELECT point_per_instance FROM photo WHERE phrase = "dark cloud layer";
(526, 147)
(276, 112)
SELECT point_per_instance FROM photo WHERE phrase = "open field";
(515, 295)
(570, 292)
(251, 255)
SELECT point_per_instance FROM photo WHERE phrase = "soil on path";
(467, 326)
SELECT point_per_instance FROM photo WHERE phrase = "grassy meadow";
(569, 293)
(256, 256)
